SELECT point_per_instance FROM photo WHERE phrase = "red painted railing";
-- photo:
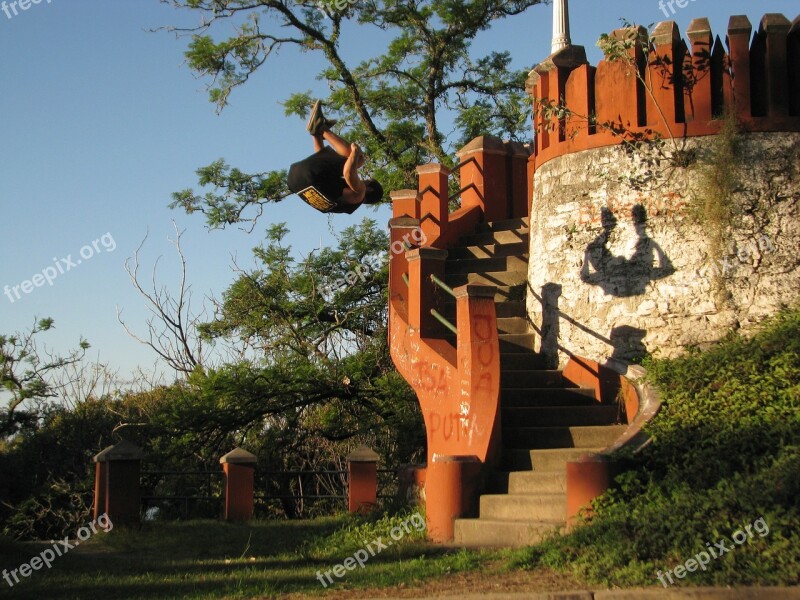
(458, 386)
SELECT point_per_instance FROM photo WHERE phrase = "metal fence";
(174, 495)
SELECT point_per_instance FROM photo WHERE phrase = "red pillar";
(587, 479)
(100, 482)
(117, 491)
(664, 76)
(405, 203)
(617, 91)
(775, 27)
(362, 467)
(698, 100)
(239, 467)
(739, 32)
(793, 61)
(478, 356)
(451, 486)
(434, 192)
(484, 177)
(521, 189)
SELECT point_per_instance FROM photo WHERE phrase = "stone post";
(239, 468)
(116, 489)
(362, 468)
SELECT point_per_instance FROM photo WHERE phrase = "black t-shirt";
(319, 181)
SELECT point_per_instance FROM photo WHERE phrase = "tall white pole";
(561, 38)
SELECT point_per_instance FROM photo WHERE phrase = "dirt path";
(492, 578)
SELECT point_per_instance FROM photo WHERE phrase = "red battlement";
(692, 84)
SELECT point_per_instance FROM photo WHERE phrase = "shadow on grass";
(210, 559)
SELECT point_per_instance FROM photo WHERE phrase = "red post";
(739, 31)
(100, 483)
(617, 92)
(775, 27)
(478, 355)
(484, 177)
(793, 59)
(521, 189)
(405, 203)
(664, 76)
(362, 467)
(434, 210)
(698, 89)
(538, 86)
(587, 479)
(451, 486)
(239, 468)
(117, 491)
(579, 97)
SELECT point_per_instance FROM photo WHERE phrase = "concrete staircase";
(546, 422)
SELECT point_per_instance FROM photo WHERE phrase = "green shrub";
(725, 452)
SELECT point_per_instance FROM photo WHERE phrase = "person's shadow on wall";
(620, 276)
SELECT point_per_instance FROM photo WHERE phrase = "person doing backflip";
(328, 180)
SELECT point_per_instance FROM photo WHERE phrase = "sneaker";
(315, 118)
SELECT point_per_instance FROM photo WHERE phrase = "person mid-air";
(328, 180)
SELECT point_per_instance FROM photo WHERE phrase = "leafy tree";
(317, 377)
(25, 372)
(392, 104)
(317, 336)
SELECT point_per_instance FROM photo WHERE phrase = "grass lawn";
(266, 559)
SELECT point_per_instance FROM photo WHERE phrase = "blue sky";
(101, 121)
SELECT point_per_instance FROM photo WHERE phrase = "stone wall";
(617, 271)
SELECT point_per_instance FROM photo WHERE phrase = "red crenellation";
(690, 84)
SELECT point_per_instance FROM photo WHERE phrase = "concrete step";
(505, 224)
(511, 343)
(506, 309)
(513, 236)
(543, 459)
(488, 251)
(529, 482)
(513, 325)
(514, 294)
(499, 278)
(487, 265)
(539, 397)
(560, 416)
(517, 359)
(508, 534)
(512, 379)
(561, 437)
(524, 507)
